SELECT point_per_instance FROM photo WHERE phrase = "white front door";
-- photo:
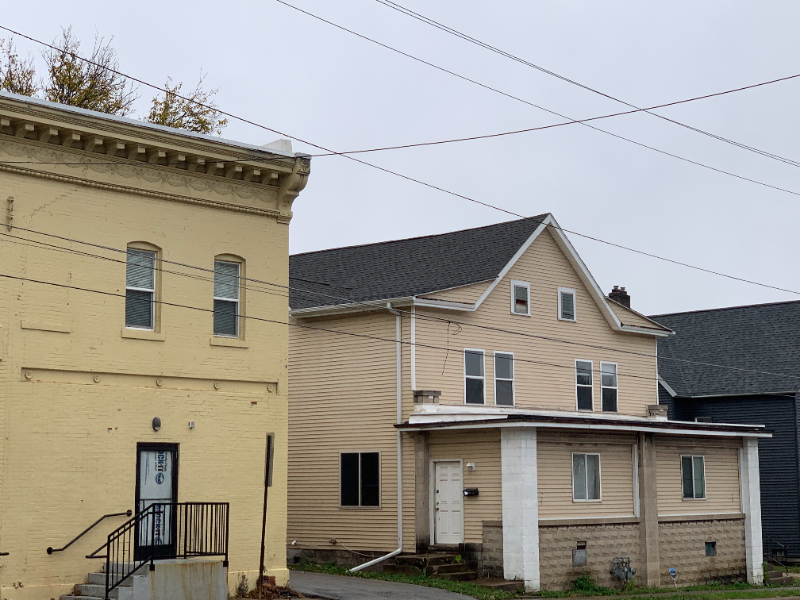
(449, 503)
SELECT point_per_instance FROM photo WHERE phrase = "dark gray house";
(742, 365)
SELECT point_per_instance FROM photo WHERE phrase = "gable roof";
(759, 339)
(403, 268)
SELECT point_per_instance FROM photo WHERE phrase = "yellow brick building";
(100, 344)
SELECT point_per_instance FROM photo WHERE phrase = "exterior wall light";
(156, 423)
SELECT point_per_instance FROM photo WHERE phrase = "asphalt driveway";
(342, 587)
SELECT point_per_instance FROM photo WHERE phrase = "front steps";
(95, 587)
(439, 564)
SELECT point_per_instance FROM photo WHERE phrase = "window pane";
(140, 270)
(699, 478)
(609, 400)
(504, 366)
(593, 476)
(567, 306)
(226, 280)
(473, 363)
(370, 479)
(139, 309)
(583, 370)
(584, 398)
(504, 393)
(225, 317)
(579, 476)
(686, 474)
(350, 479)
(608, 374)
(520, 299)
(474, 391)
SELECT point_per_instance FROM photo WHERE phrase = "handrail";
(4, 553)
(50, 550)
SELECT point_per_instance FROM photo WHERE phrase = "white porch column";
(750, 482)
(520, 506)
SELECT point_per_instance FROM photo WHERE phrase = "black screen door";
(156, 483)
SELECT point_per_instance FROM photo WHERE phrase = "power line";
(488, 87)
(408, 12)
(377, 308)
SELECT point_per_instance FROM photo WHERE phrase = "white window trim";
(599, 476)
(464, 363)
(151, 291)
(574, 304)
(513, 377)
(577, 360)
(705, 483)
(527, 286)
(237, 301)
(380, 480)
(614, 387)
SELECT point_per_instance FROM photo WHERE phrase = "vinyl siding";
(630, 317)
(555, 475)
(482, 448)
(468, 294)
(722, 476)
(544, 369)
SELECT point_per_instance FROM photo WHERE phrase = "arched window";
(141, 286)
(228, 295)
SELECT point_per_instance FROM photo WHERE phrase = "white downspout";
(399, 333)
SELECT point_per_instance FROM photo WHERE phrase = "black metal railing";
(50, 550)
(165, 530)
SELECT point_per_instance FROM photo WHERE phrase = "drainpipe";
(399, 331)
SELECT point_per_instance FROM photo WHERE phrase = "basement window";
(711, 548)
(693, 476)
(360, 479)
(520, 298)
(585, 477)
(140, 289)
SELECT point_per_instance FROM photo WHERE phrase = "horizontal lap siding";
(483, 449)
(544, 369)
(722, 476)
(555, 475)
(468, 294)
(342, 398)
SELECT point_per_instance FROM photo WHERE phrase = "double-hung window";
(520, 298)
(693, 475)
(566, 304)
(583, 383)
(503, 379)
(140, 289)
(474, 388)
(608, 386)
(360, 479)
(585, 477)
(226, 298)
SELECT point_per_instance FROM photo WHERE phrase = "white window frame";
(694, 497)
(464, 361)
(577, 360)
(599, 476)
(574, 304)
(380, 480)
(238, 299)
(614, 387)
(138, 289)
(527, 286)
(496, 378)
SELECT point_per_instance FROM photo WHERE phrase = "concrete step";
(81, 597)
(426, 560)
(100, 579)
(91, 589)
(501, 584)
(781, 581)
(458, 576)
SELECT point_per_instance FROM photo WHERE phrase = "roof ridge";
(742, 306)
(420, 237)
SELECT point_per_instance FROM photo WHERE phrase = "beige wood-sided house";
(478, 389)
(132, 377)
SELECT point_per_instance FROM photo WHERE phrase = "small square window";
(520, 298)
(711, 548)
(566, 304)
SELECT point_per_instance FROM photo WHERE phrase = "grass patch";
(461, 587)
(584, 586)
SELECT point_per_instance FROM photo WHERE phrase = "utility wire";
(472, 40)
(375, 308)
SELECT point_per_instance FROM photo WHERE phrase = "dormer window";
(520, 298)
(566, 304)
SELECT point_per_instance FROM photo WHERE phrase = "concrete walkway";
(342, 587)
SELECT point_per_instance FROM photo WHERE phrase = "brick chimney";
(619, 294)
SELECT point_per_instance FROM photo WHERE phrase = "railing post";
(108, 562)
(227, 528)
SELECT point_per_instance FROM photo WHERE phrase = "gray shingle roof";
(407, 267)
(762, 337)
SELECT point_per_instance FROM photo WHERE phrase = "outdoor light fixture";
(156, 423)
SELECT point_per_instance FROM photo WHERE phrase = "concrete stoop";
(443, 564)
(95, 587)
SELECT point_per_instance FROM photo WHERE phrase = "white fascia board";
(446, 304)
(352, 307)
(646, 331)
(666, 386)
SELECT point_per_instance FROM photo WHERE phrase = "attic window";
(566, 304)
(520, 298)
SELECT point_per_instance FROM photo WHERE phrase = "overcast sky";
(294, 74)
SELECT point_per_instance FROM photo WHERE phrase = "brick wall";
(683, 547)
(603, 544)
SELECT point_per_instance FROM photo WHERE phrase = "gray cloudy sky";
(292, 73)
